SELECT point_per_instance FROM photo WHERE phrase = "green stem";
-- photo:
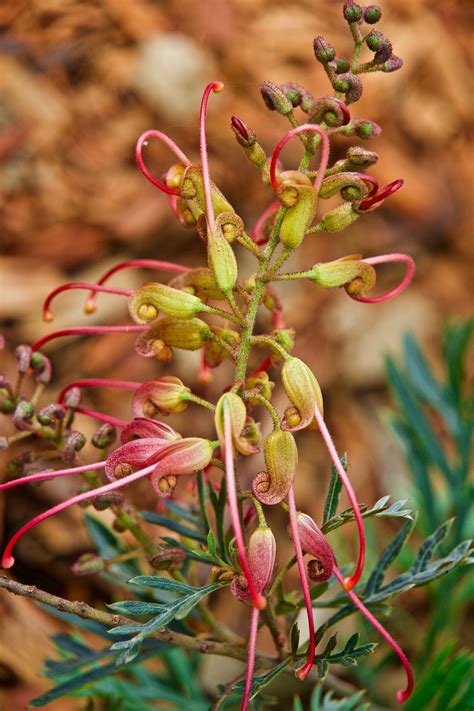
(190, 397)
(266, 403)
(271, 343)
(249, 324)
(281, 260)
(136, 530)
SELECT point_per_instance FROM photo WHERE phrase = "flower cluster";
(168, 316)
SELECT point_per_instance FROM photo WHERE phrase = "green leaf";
(159, 583)
(430, 545)
(260, 682)
(334, 491)
(180, 511)
(134, 607)
(328, 703)
(294, 638)
(456, 338)
(388, 556)
(347, 656)
(211, 543)
(109, 545)
(172, 525)
(380, 509)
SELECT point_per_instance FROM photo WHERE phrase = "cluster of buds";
(169, 316)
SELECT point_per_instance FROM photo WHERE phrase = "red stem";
(47, 314)
(250, 657)
(98, 382)
(388, 259)
(255, 234)
(351, 581)
(143, 141)
(53, 474)
(8, 560)
(323, 161)
(86, 330)
(114, 421)
(402, 695)
(258, 599)
(304, 671)
(214, 86)
(143, 263)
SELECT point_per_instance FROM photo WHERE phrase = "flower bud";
(147, 301)
(351, 186)
(73, 443)
(192, 192)
(299, 96)
(352, 12)
(221, 258)
(392, 64)
(261, 554)
(356, 276)
(88, 564)
(188, 335)
(350, 84)
(275, 99)
(23, 415)
(296, 192)
(381, 45)
(23, 357)
(360, 157)
(340, 65)
(260, 383)
(167, 558)
(285, 337)
(323, 51)
(281, 457)
(244, 135)
(302, 390)
(372, 14)
(238, 417)
(47, 415)
(331, 111)
(185, 456)
(7, 406)
(41, 366)
(314, 542)
(72, 398)
(214, 351)
(105, 501)
(339, 218)
(165, 395)
(199, 282)
(104, 436)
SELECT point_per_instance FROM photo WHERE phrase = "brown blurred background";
(79, 81)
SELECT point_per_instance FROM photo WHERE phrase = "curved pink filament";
(255, 234)
(8, 560)
(214, 86)
(323, 161)
(47, 314)
(142, 141)
(143, 263)
(348, 582)
(85, 330)
(371, 180)
(263, 367)
(344, 109)
(114, 421)
(53, 474)
(381, 195)
(404, 694)
(388, 259)
(250, 657)
(98, 382)
(258, 599)
(304, 671)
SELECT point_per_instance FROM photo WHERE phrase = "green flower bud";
(323, 51)
(381, 45)
(372, 14)
(281, 457)
(221, 258)
(188, 335)
(339, 218)
(151, 298)
(167, 395)
(296, 192)
(302, 390)
(200, 282)
(275, 99)
(356, 276)
(238, 417)
(352, 12)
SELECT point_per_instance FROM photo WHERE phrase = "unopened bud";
(221, 258)
(360, 157)
(299, 96)
(166, 395)
(275, 98)
(372, 14)
(73, 443)
(41, 366)
(331, 111)
(381, 45)
(189, 335)
(6, 405)
(302, 390)
(245, 136)
(104, 436)
(323, 51)
(296, 192)
(88, 564)
(352, 12)
(355, 275)
(351, 85)
(200, 282)
(105, 501)
(392, 64)
(147, 301)
(338, 219)
(341, 65)
(72, 398)
(47, 415)
(23, 415)
(261, 554)
(281, 457)
(23, 357)
(314, 542)
(167, 558)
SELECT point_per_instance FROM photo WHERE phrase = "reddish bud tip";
(381, 195)
(239, 127)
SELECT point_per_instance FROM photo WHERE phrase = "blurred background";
(79, 81)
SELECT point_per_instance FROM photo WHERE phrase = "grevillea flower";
(313, 541)
(161, 460)
(281, 457)
(303, 392)
(165, 395)
(261, 553)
